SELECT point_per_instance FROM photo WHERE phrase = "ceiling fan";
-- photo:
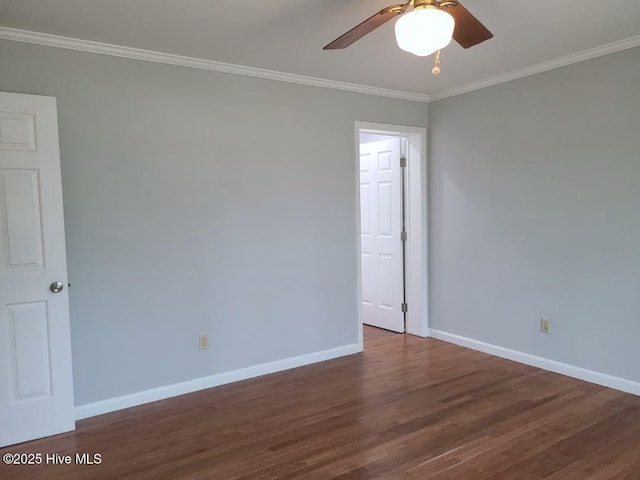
(424, 27)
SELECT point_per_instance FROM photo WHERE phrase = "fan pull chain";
(436, 64)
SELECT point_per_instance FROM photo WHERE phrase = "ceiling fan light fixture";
(424, 31)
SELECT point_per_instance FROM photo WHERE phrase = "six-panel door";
(380, 229)
(36, 389)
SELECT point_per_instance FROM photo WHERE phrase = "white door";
(380, 229)
(36, 386)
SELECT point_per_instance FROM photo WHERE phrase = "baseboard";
(168, 391)
(606, 380)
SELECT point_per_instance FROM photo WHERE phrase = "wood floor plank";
(407, 408)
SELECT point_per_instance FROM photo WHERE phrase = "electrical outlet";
(545, 325)
(203, 341)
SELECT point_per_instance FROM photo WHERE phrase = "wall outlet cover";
(545, 325)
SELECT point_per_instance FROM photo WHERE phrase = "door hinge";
(405, 307)
(403, 236)
(403, 162)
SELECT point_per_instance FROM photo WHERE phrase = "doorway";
(382, 286)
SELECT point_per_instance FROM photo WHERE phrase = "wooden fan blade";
(368, 26)
(468, 30)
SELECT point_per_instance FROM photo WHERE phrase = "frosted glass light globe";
(424, 31)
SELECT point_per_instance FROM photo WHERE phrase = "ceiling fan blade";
(468, 30)
(369, 25)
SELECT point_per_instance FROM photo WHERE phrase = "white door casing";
(417, 208)
(36, 385)
(380, 229)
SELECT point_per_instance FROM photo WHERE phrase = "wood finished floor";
(408, 408)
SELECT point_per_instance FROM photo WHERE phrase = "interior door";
(380, 230)
(36, 386)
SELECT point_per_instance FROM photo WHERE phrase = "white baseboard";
(160, 393)
(622, 384)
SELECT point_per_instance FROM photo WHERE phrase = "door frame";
(416, 201)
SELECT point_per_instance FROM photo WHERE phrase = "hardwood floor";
(408, 408)
(372, 334)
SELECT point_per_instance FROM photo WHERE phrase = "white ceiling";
(288, 35)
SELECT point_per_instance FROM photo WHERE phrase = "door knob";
(56, 287)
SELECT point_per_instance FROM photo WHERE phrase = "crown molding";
(540, 68)
(69, 43)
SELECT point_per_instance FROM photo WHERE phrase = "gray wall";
(535, 204)
(200, 202)
(203, 202)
